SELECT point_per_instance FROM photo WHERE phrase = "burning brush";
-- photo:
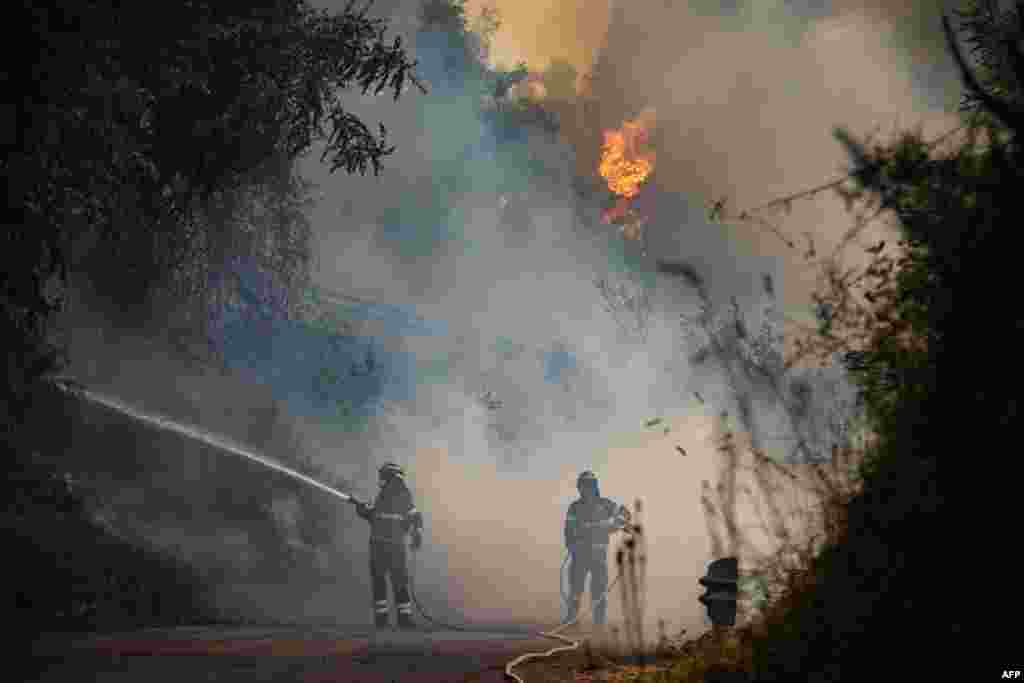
(625, 164)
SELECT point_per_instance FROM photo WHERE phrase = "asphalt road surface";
(279, 654)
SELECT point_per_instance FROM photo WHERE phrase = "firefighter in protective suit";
(392, 516)
(589, 523)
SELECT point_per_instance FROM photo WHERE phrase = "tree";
(137, 118)
(152, 145)
(455, 55)
(951, 210)
(817, 439)
(921, 366)
(995, 89)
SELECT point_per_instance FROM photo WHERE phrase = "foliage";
(880, 583)
(444, 30)
(895, 325)
(261, 227)
(755, 370)
(155, 146)
(137, 118)
(995, 85)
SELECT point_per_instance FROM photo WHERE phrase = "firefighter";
(589, 523)
(392, 516)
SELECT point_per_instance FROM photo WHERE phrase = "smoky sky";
(528, 283)
(465, 335)
(747, 93)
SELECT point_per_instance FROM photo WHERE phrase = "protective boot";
(382, 615)
(404, 608)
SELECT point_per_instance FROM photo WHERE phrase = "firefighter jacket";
(392, 514)
(591, 522)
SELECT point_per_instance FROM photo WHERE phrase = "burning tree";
(626, 163)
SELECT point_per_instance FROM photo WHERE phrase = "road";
(278, 654)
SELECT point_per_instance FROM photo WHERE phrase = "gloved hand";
(417, 539)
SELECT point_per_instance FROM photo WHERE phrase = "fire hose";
(552, 634)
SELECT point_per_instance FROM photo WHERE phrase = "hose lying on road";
(552, 634)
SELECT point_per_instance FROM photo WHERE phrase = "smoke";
(483, 230)
(478, 350)
(747, 93)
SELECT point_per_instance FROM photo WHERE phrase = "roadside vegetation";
(884, 592)
(152, 146)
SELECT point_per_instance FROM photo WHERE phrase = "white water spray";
(196, 433)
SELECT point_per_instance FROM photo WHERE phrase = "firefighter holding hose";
(589, 524)
(392, 516)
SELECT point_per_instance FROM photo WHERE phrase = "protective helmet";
(587, 481)
(389, 471)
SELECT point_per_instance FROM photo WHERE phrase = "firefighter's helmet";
(389, 471)
(587, 481)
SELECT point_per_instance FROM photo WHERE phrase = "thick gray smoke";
(538, 372)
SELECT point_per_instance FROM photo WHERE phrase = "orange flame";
(624, 164)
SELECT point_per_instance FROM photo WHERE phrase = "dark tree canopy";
(932, 375)
(150, 146)
(134, 117)
(995, 87)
